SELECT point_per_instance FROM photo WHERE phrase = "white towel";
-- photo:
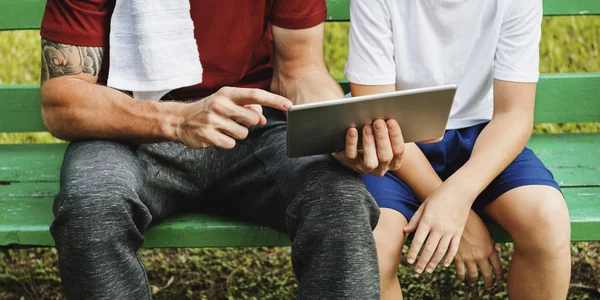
(152, 48)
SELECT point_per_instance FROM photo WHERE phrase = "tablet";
(320, 128)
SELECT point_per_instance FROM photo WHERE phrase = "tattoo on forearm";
(61, 59)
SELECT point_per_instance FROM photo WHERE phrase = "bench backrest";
(561, 98)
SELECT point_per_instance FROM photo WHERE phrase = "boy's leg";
(398, 204)
(537, 219)
(389, 238)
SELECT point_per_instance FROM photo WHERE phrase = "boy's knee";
(547, 228)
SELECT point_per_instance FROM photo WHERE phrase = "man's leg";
(537, 219)
(100, 220)
(323, 206)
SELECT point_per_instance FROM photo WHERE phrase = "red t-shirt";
(234, 36)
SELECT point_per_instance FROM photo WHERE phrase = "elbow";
(54, 122)
(54, 115)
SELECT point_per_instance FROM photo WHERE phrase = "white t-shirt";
(423, 43)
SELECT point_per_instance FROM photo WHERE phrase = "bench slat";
(20, 104)
(574, 159)
(25, 221)
(26, 14)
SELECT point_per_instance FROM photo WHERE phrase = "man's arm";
(299, 72)
(75, 107)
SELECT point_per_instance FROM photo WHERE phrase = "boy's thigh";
(524, 198)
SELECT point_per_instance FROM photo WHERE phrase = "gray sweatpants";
(112, 192)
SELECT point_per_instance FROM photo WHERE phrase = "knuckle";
(224, 90)
(254, 93)
(244, 133)
(386, 158)
(430, 248)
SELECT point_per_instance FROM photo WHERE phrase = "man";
(133, 163)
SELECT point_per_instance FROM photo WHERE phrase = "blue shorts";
(446, 157)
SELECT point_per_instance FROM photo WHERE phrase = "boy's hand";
(382, 148)
(478, 250)
(439, 223)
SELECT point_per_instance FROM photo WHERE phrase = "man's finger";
(232, 129)
(384, 147)
(221, 140)
(486, 273)
(397, 143)
(352, 143)
(433, 240)
(245, 96)
(497, 265)
(247, 116)
(369, 158)
(439, 254)
(259, 110)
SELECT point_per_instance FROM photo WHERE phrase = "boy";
(481, 169)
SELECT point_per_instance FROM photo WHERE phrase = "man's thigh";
(257, 181)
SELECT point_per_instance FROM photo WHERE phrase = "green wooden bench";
(29, 174)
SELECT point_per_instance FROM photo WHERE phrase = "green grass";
(569, 44)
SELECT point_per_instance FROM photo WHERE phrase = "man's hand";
(477, 250)
(382, 148)
(225, 116)
(439, 223)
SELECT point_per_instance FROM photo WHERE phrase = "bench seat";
(29, 180)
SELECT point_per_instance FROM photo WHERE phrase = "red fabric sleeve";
(298, 14)
(77, 22)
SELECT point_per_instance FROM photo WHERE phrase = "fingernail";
(410, 260)
(352, 133)
(368, 130)
(419, 270)
(446, 265)
(429, 270)
(378, 125)
(287, 104)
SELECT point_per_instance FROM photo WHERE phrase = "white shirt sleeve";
(518, 55)
(371, 50)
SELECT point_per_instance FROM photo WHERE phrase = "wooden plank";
(573, 158)
(27, 14)
(561, 98)
(25, 221)
(571, 7)
(21, 14)
(20, 108)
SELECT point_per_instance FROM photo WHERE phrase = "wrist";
(466, 186)
(170, 120)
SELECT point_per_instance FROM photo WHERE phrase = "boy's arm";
(516, 73)
(417, 173)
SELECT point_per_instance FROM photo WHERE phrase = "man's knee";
(98, 210)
